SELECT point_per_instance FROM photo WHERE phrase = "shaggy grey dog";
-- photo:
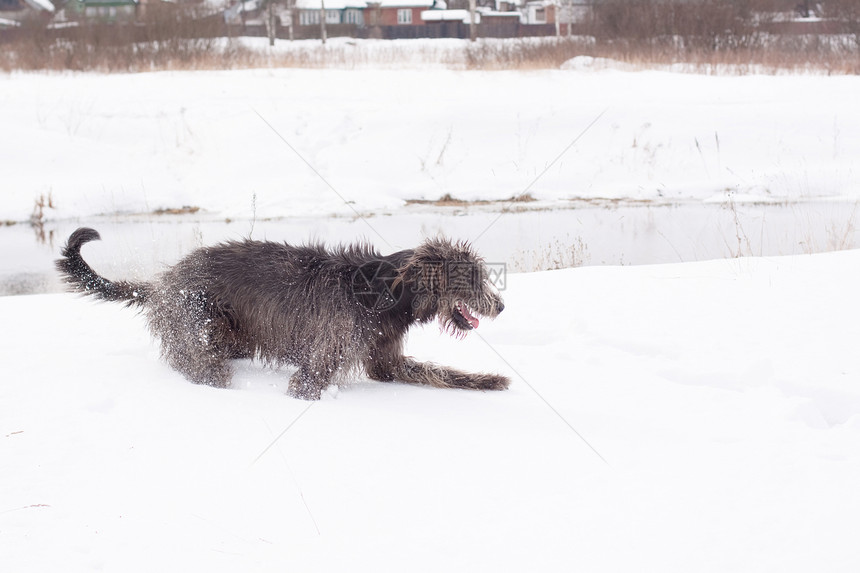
(331, 313)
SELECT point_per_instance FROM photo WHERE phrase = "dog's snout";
(500, 306)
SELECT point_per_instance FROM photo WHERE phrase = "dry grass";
(184, 210)
(723, 35)
(712, 36)
(37, 218)
(556, 255)
(447, 200)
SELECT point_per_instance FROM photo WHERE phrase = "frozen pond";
(524, 241)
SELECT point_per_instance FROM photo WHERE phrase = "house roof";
(243, 6)
(448, 15)
(107, 3)
(330, 4)
(407, 3)
(495, 14)
(343, 4)
(42, 5)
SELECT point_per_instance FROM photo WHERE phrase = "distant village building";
(429, 16)
(336, 12)
(539, 12)
(102, 10)
(401, 12)
(413, 18)
(12, 12)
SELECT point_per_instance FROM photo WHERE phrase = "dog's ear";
(431, 277)
(425, 269)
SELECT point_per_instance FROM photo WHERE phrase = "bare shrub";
(165, 37)
(669, 25)
(710, 36)
(847, 13)
(718, 35)
(37, 218)
(528, 53)
(552, 256)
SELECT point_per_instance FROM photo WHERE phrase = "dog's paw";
(303, 390)
(494, 382)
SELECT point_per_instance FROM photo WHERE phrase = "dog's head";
(449, 281)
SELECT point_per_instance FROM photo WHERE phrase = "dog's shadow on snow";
(250, 375)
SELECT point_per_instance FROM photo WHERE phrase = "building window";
(332, 16)
(404, 16)
(540, 15)
(354, 17)
(309, 17)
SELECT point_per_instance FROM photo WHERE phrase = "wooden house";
(102, 10)
(399, 12)
(336, 12)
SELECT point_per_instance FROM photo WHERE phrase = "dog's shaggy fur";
(330, 313)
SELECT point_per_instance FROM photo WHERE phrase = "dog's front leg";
(415, 372)
(387, 364)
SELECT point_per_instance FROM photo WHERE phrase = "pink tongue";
(468, 316)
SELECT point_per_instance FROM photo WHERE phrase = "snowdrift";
(234, 144)
(722, 396)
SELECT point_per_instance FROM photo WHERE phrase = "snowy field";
(235, 143)
(723, 396)
(766, 161)
(698, 416)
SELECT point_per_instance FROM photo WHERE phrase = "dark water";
(524, 241)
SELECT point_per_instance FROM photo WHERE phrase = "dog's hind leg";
(190, 341)
(307, 384)
(200, 365)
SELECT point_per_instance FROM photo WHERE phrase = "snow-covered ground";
(723, 396)
(702, 416)
(235, 142)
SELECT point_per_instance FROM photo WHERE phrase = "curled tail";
(83, 279)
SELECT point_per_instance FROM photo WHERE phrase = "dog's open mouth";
(464, 318)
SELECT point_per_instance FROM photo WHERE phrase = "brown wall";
(388, 16)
